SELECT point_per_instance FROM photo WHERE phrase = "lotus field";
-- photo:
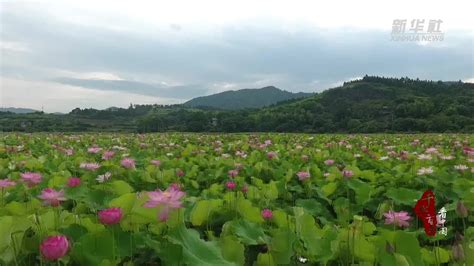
(234, 199)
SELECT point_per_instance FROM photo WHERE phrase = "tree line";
(371, 104)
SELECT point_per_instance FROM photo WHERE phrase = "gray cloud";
(177, 92)
(248, 55)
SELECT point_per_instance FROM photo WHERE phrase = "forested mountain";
(17, 110)
(372, 104)
(245, 98)
(376, 104)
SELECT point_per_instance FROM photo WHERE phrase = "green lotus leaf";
(196, 251)
(404, 196)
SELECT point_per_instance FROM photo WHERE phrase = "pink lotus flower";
(68, 152)
(179, 173)
(31, 179)
(110, 216)
(233, 173)
(302, 176)
(54, 247)
(128, 163)
(397, 218)
(347, 173)
(156, 162)
(329, 162)
(169, 199)
(415, 142)
(425, 157)
(230, 185)
(446, 157)
(90, 166)
(431, 150)
(107, 155)
(94, 149)
(425, 171)
(403, 155)
(304, 158)
(267, 214)
(104, 177)
(461, 167)
(175, 186)
(271, 155)
(468, 150)
(241, 154)
(268, 142)
(73, 182)
(4, 183)
(52, 197)
(245, 188)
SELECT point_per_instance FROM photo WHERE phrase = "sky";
(58, 55)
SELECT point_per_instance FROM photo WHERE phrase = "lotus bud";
(389, 248)
(461, 210)
(458, 252)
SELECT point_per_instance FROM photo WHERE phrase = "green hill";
(373, 104)
(245, 98)
(17, 110)
(376, 104)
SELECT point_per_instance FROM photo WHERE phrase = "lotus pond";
(234, 199)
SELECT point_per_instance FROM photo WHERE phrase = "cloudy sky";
(64, 54)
